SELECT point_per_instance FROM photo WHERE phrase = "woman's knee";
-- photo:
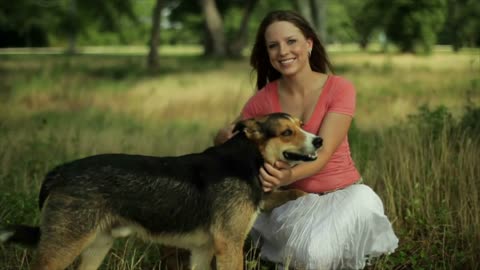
(364, 198)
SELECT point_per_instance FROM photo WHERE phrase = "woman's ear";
(310, 44)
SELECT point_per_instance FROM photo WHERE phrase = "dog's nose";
(317, 142)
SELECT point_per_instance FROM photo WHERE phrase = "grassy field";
(415, 136)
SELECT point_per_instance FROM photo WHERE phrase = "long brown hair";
(259, 59)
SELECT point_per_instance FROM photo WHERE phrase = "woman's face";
(287, 48)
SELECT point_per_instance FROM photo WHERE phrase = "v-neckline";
(305, 122)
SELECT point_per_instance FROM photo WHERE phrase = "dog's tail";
(20, 234)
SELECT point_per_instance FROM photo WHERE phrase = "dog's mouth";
(291, 156)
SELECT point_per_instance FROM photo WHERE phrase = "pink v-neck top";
(338, 95)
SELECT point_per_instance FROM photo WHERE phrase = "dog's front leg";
(231, 258)
(201, 258)
(276, 198)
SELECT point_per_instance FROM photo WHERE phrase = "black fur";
(147, 189)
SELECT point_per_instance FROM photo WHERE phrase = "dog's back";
(163, 194)
(205, 202)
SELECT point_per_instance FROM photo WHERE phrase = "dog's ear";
(251, 128)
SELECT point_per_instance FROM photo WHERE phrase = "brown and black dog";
(204, 202)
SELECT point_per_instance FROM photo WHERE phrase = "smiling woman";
(342, 222)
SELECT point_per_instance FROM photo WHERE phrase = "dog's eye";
(287, 132)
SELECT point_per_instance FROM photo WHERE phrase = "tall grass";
(427, 174)
(422, 161)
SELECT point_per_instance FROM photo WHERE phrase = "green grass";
(55, 108)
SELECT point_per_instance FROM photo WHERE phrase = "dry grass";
(55, 108)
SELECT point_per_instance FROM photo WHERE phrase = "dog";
(205, 202)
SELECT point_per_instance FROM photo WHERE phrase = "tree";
(315, 12)
(319, 17)
(152, 60)
(215, 36)
(24, 23)
(236, 46)
(77, 15)
(414, 24)
(462, 25)
(366, 17)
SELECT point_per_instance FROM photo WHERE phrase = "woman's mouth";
(287, 61)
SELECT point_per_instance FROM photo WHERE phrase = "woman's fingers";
(268, 182)
(282, 174)
(272, 170)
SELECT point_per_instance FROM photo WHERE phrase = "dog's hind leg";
(94, 254)
(57, 253)
(67, 227)
(201, 257)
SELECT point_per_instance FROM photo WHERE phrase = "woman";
(342, 222)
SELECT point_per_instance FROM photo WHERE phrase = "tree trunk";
(304, 8)
(319, 18)
(72, 35)
(238, 44)
(152, 61)
(214, 26)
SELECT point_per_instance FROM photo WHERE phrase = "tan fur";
(278, 197)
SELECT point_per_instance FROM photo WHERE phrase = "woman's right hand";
(224, 134)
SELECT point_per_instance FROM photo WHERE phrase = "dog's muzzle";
(317, 142)
(290, 156)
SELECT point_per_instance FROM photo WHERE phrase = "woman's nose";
(283, 49)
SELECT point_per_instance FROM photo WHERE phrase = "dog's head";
(279, 136)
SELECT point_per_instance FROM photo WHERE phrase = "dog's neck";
(239, 147)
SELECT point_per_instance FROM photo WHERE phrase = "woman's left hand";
(275, 176)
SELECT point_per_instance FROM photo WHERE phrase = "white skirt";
(338, 230)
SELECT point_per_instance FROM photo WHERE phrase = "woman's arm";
(333, 130)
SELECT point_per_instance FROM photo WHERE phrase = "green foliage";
(364, 19)
(24, 23)
(363, 145)
(432, 122)
(33, 20)
(461, 27)
(76, 16)
(470, 121)
(340, 26)
(22, 208)
(413, 24)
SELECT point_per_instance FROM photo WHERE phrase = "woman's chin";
(288, 72)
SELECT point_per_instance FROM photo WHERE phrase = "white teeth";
(287, 61)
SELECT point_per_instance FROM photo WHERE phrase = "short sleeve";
(259, 104)
(343, 98)
(250, 109)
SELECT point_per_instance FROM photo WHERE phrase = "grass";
(54, 108)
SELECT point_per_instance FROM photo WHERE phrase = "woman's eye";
(271, 46)
(291, 41)
(287, 132)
